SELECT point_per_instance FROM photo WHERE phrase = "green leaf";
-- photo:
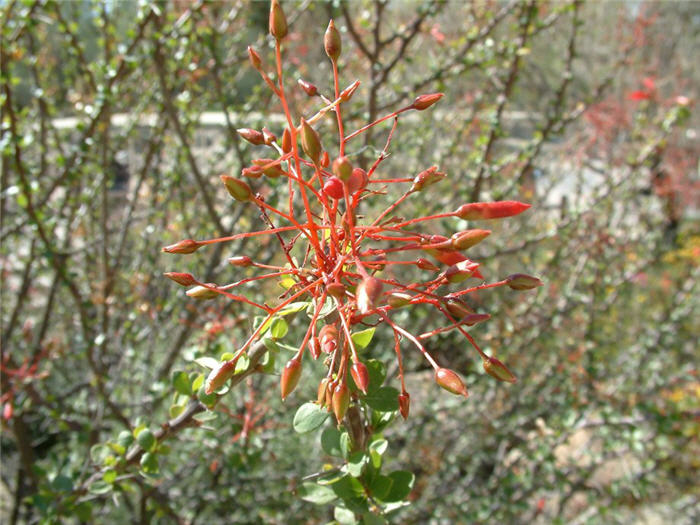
(125, 439)
(109, 476)
(384, 399)
(205, 416)
(293, 308)
(377, 374)
(100, 487)
(242, 364)
(402, 483)
(207, 362)
(175, 410)
(181, 382)
(344, 516)
(363, 338)
(376, 450)
(146, 440)
(356, 462)
(380, 486)
(330, 441)
(99, 452)
(278, 328)
(197, 382)
(345, 444)
(62, 483)
(309, 417)
(317, 494)
(207, 399)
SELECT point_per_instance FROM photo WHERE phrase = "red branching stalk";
(337, 266)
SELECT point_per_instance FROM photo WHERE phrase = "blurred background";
(118, 118)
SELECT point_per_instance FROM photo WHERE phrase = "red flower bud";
(520, 281)
(241, 260)
(254, 172)
(358, 180)
(360, 375)
(237, 188)
(331, 42)
(329, 338)
(495, 368)
(450, 381)
(333, 188)
(184, 246)
(490, 210)
(286, 141)
(427, 178)
(310, 141)
(278, 22)
(183, 279)
(341, 401)
(315, 347)
(472, 319)
(269, 137)
(461, 271)
(404, 404)
(218, 376)
(425, 101)
(273, 171)
(467, 239)
(342, 168)
(325, 160)
(309, 88)
(254, 58)
(368, 292)
(322, 388)
(458, 308)
(425, 264)
(290, 376)
(336, 290)
(349, 91)
(399, 299)
(252, 135)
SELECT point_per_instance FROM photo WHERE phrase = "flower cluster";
(334, 257)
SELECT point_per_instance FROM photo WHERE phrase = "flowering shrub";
(334, 266)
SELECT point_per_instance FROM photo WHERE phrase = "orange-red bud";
(399, 299)
(309, 88)
(273, 171)
(254, 58)
(458, 308)
(218, 376)
(183, 279)
(425, 101)
(252, 135)
(360, 375)
(450, 381)
(336, 290)
(331, 42)
(490, 210)
(425, 264)
(461, 271)
(310, 141)
(349, 91)
(241, 260)
(315, 347)
(325, 160)
(286, 141)
(358, 180)
(368, 292)
(404, 404)
(268, 136)
(521, 281)
(290, 376)
(237, 188)
(495, 368)
(333, 187)
(278, 22)
(329, 338)
(342, 168)
(322, 388)
(427, 178)
(341, 401)
(184, 246)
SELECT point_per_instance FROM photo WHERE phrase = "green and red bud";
(495, 368)
(336, 290)
(277, 21)
(237, 188)
(315, 347)
(342, 168)
(404, 404)
(184, 246)
(253, 136)
(425, 101)
(340, 401)
(286, 141)
(242, 261)
(458, 309)
(349, 91)
(218, 376)
(461, 271)
(521, 281)
(203, 293)
(328, 336)
(309, 88)
(490, 210)
(269, 137)
(183, 279)
(427, 178)
(368, 292)
(425, 264)
(472, 319)
(467, 239)
(310, 141)
(273, 171)
(290, 376)
(360, 375)
(450, 381)
(331, 42)
(322, 389)
(399, 299)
